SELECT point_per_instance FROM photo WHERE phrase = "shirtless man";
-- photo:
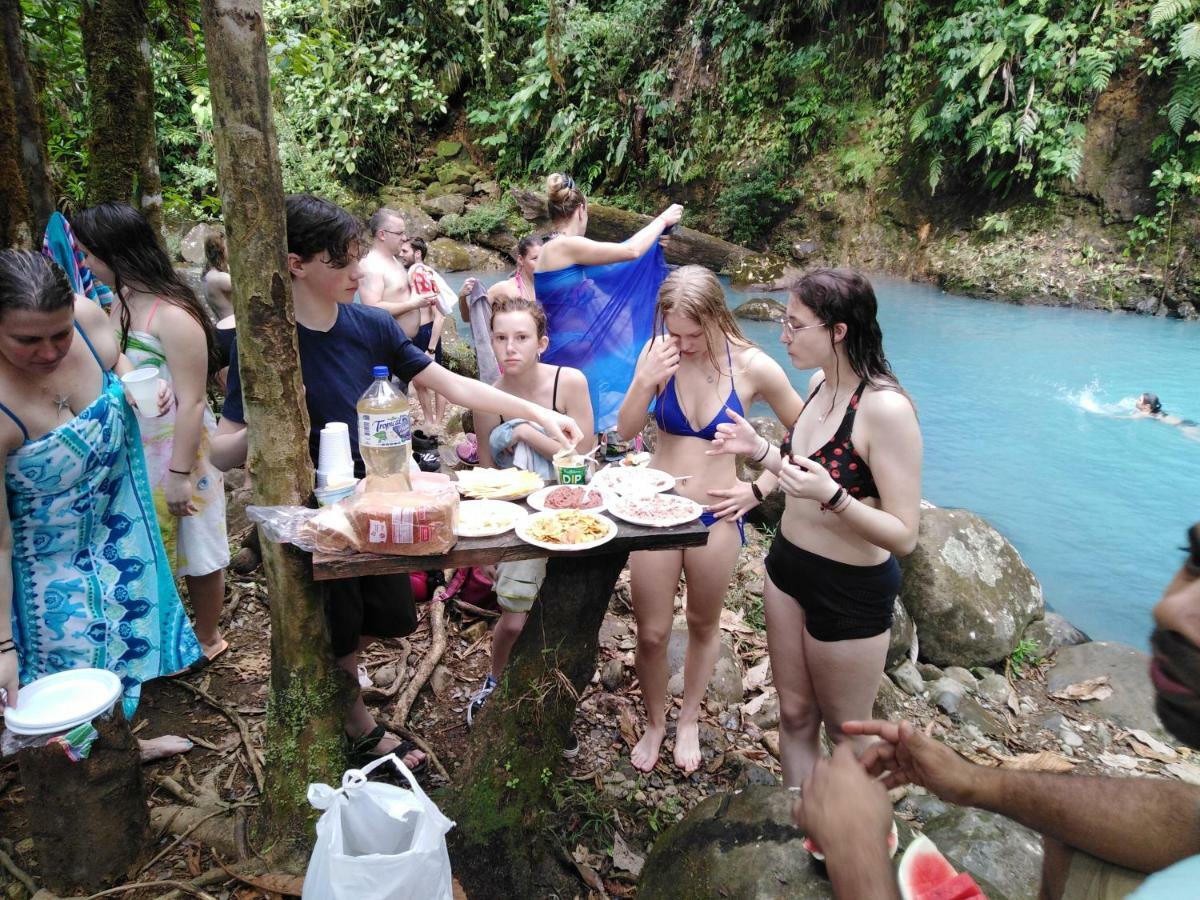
(384, 281)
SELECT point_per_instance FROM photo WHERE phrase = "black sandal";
(361, 747)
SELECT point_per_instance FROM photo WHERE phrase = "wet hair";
(844, 295)
(562, 197)
(124, 240)
(419, 245)
(1152, 401)
(527, 243)
(520, 304)
(31, 281)
(695, 292)
(379, 219)
(318, 226)
(215, 256)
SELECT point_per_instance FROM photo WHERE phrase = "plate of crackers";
(485, 518)
(656, 510)
(497, 484)
(566, 529)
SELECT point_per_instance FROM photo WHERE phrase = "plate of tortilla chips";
(566, 529)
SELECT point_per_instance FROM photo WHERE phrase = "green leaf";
(1188, 41)
(1031, 24)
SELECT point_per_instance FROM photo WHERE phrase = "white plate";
(63, 700)
(502, 482)
(528, 522)
(538, 498)
(633, 480)
(625, 508)
(470, 512)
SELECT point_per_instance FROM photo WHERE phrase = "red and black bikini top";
(838, 456)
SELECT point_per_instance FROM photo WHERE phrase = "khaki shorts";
(518, 583)
(1093, 879)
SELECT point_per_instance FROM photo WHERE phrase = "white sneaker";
(479, 698)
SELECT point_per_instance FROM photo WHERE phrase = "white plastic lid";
(63, 700)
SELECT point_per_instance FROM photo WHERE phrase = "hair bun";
(556, 188)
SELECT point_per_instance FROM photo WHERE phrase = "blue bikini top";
(669, 415)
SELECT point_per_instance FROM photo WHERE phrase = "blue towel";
(598, 319)
(60, 245)
(520, 455)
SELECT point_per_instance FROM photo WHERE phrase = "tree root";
(430, 755)
(401, 673)
(18, 873)
(138, 885)
(215, 875)
(474, 610)
(197, 823)
(238, 722)
(437, 646)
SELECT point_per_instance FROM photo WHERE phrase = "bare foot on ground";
(162, 747)
(687, 747)
(645, 754)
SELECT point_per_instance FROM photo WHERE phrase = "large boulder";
(444, 205)
(737, 844)
(726, 684)
(458, 355)
(968, 590)
(448, 255)
(768, 513)
(191, 245)
(1128, 669)
(761, 309)
(903, 632)
(994, 850)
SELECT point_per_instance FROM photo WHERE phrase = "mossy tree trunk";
(16, 228)
(116, 51)
(503, 798)
(308, 692)
(31, 127)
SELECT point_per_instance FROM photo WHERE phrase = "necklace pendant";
(63, 402)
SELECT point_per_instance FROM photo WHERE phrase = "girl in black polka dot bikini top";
(839, 456)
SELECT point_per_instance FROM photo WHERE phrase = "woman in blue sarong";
(89, 584)
(599, 297)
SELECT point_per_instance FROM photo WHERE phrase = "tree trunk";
(34, 161)
(116, 53)
(15, 221)
(305, 740)
(149, 183)
(503, 799)
(682, 247)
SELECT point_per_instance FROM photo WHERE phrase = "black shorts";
(422, 338)
(375, 605)
(841, 602)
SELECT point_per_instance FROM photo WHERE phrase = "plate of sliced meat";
(635, 480)
(656, 510)
(568, 496)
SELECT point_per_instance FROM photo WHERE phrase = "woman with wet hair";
(163, 325)
(85, 580)
(851, 469)
(697, 372)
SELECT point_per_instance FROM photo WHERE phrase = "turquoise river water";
(1025, 413)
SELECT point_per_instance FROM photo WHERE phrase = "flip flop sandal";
(361, 747)
(467, 450)
(203, 662)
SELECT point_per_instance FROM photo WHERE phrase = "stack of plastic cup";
(334, 463)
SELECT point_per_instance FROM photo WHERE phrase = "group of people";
(92, 575)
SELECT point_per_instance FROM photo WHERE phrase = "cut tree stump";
(89, 819)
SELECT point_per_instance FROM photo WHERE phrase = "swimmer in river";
(1149, 406)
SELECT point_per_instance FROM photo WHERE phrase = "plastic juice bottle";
(384, 427)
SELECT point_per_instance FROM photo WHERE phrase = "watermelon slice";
(893, 842)
(961, 887)
(927, 875)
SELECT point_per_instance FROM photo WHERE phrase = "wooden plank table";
(503, 796)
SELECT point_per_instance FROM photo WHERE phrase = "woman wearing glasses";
(851, 469)
(699, 371)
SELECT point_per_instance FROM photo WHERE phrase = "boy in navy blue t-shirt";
(339, 344)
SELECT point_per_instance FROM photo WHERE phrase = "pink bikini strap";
(153, 310)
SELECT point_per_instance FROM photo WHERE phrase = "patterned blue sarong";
(598, 319)
(92, 587)
(60, 245)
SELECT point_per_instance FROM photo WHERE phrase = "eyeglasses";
(790, 330)
(402, 234)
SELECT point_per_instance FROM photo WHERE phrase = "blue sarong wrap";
(60, 245)
(598, 319)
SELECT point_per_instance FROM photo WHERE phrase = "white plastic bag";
(377, 841)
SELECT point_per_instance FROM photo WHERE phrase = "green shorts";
(518, 583)
(1090, 878)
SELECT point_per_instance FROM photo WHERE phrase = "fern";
(1185, 99)
(1187, 42)
(919, 123)
(1168, 10)
(1027, 126)
(935, 173)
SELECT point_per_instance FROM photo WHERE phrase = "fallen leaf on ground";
(1145, 744)
(1118, 760)
(624, 857)
(1013, 703)
(1092, 689)
(770, 740)
(756, 677)
(732, 621)
(1185, 772)
(628, 726)
(1042, 761)
(756, 704)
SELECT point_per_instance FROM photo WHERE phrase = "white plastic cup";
(334, 462)
(143, 386)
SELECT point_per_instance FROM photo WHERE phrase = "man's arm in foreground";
(1158, 823)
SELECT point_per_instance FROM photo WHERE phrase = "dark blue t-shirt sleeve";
(233, 410)
(405, 359)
